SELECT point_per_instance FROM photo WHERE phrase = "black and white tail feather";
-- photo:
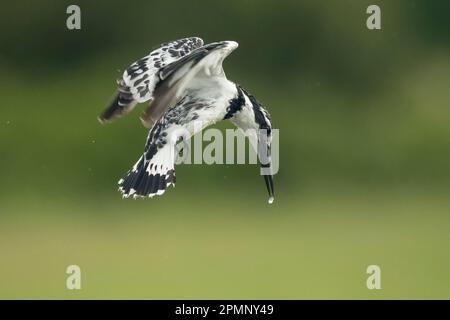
(185, 83)
(148, 178)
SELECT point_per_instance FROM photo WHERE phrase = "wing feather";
(174, 78)
(142, 76)
(138, 82)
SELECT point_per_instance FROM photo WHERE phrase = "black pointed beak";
(269, 184)
(264, 158)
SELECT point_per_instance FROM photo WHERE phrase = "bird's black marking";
(236, 103)
(185, 110)
(155, 141)
(140, 181)
(138, 81)
(175, 49)
(149, 65)
(260, 113)
(195, 56)
(140, 78)
(261, 118)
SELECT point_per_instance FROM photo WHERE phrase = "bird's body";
(190, 91)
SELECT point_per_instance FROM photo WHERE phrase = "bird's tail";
(149, 178)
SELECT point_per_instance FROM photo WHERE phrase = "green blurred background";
(364, 154)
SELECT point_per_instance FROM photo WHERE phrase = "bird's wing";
(155, 170)
(140, 76)
(140, 79)
(174, 79)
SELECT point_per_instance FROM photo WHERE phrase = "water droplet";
(271, 200)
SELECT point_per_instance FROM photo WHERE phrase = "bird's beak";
(269, 184)
(266, 169)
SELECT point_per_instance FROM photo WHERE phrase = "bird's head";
(260, 136)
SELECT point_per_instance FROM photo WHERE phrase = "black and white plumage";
(140, 78)
(189, 91)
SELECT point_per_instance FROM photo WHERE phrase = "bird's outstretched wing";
(154, 171)
(174, 78)
(138, 82)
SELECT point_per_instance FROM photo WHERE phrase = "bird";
(184, 82)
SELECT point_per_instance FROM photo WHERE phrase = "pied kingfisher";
(185, 83)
